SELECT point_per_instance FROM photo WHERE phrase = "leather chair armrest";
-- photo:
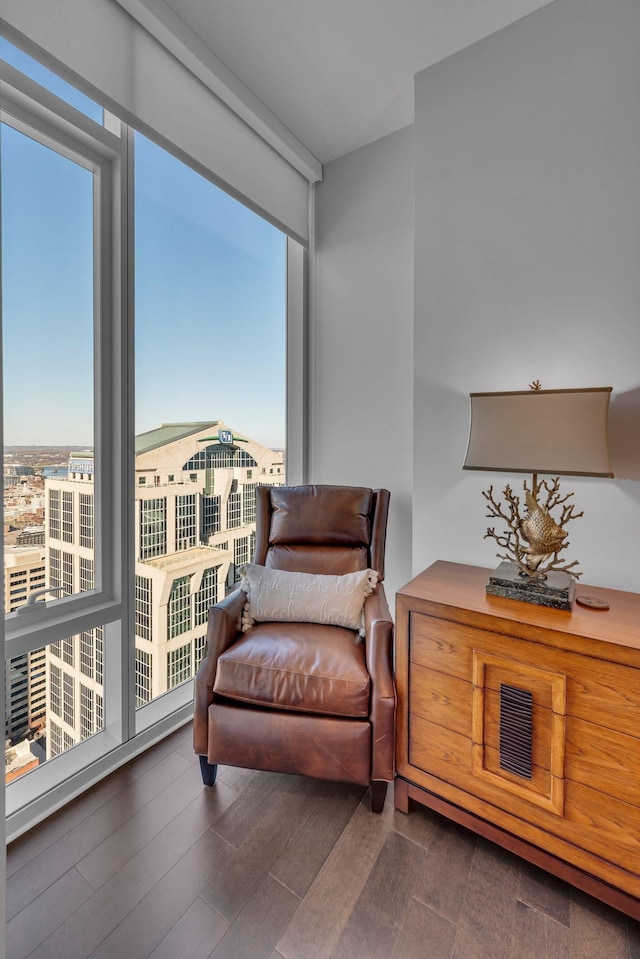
(222, 629)
(379, 654)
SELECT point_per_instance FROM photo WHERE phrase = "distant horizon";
(85, 447)
(47, 446)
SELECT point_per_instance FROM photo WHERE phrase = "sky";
(210, 294)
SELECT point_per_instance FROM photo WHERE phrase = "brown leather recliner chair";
(285, 709)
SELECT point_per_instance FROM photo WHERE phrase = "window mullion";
(123, 455)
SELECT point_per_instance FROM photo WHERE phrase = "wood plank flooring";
(149, 863)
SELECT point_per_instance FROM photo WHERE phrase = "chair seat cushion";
(304, 667)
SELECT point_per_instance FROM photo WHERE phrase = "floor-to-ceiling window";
(144, 330)
(48, 296)
(59, 172)
(210, 349)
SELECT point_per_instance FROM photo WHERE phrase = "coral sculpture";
(533, 542)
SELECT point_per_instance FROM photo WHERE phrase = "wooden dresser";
(523, 724)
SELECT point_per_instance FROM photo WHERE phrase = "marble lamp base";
(556, 590)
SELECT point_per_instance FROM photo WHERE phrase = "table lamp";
(556, 432)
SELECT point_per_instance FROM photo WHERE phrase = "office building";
(25, 676)
(194, 530)
(30, 536)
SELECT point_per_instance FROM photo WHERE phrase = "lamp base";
(555, 591)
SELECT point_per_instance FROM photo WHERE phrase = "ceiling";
(339, 73)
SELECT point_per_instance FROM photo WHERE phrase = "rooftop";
(168, 433)
(186, 557)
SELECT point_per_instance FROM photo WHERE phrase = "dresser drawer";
(441, 699)
(605, 760)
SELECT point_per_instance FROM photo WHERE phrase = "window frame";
(110, 605)
(43, 117)
(40, 115)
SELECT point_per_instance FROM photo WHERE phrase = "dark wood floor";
(264, 866)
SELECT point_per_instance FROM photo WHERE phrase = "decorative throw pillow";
(276, 594)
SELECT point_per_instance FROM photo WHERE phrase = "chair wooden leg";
(378, 793)
(209, 771)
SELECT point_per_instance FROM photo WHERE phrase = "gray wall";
(362, 332)
(526, 153)
(527, 249)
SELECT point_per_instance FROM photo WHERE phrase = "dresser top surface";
(463, 587)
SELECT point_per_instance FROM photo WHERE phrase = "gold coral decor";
(556, 432)
(534, 541)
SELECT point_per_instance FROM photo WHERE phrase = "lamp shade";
(563, 432)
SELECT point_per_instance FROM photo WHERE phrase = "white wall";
(527, 252)
(362, 332)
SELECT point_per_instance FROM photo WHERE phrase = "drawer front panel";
(440, 751)
(445, 647)
(604, 760)
(443, 700)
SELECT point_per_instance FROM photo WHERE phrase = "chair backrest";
(321, 529)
